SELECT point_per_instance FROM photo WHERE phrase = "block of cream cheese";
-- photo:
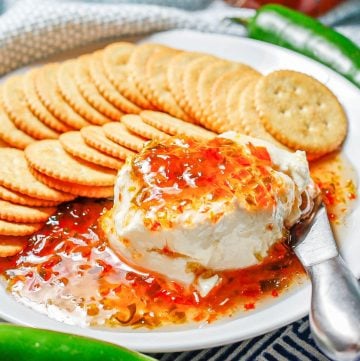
(188, 209)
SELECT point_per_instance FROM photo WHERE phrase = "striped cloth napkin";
(34, 29)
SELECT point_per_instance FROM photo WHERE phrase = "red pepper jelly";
(335, 178)
(69, 272)
(179, 173)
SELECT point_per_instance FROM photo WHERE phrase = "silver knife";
(335, 301)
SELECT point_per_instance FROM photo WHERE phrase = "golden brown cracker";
(70, 92)
(174, 126)
(160, 94)
(300, 112)
(175, 73)
(207, 78)
(250, 118)
(137, 68)
(90, 92)
(118, 133)
(136, 125)
(15, 175)
(10, 134)
(233, 117)
(106, 88)
(74, 144)
(37, 107)
(219, 95)
(3, 144)
(12, 245)
(22, 199)
(18, 111)
(115, 60)
(95, 137)
(50, 158)
(192, 71)
(46, 87)
(23, 214)
(18, 229)
(75, 189)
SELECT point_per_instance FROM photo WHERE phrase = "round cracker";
(115, 60)
(219, 95)
(136, 125)
(175, 126)
(106, 88)
(46, 87)
(15, 175)
(160, 94)
(233, 117)
(300, 111)
(118, 133)
(22, 214)
(70, 92)
(37, 107)
(12, 135)
(18, 111)
(90, 92)
(12, 245)
(50, 158)
(175, 73)
(137, 68)
(74, 144)
(250, 118)
(75, 189)
(22, 199)
(207, 78)
(95, 137)
(4, 144)
(18, 229)
(192, 71)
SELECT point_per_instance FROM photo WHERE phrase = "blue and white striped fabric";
(290, 343)
(34, 29)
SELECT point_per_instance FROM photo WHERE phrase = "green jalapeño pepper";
(28, 344)
(291, 29)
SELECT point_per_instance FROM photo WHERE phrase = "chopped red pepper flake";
(249, 306)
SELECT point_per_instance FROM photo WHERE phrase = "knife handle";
(335, 309)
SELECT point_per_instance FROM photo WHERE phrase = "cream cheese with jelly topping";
(186, 209)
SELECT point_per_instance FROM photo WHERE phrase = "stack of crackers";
(67, 127)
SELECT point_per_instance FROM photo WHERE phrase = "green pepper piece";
(293, 30)
(28, 344)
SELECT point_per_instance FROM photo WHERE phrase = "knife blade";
(315, 241)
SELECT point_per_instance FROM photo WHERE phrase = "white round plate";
(285, 309)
